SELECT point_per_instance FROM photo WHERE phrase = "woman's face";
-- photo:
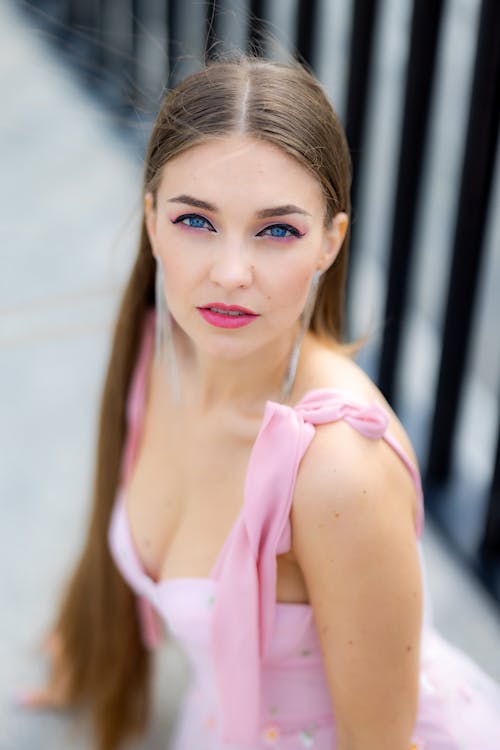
(239, 227)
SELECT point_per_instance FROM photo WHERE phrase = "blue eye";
(194, 221)
(280, 231)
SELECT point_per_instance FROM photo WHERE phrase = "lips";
(232, 310)
(221, 315)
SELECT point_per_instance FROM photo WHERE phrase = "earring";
(310, 301)
(305, 319)
(164, 339)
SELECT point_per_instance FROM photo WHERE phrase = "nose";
(231, 268)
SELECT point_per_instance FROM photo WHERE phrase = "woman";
(253, 488)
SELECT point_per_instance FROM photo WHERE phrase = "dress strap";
(246, 571)
(245, 602)
(151, 630)
(370, 419)
(136, 397)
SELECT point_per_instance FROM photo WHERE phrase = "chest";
(186, 491)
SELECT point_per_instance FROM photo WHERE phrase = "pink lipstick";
(227, 316)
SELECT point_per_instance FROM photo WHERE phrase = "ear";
(150, 219)
(334, 237)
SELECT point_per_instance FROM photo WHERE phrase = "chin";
(229, 351)
(239, 344)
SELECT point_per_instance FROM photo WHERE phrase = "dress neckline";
(210, 579)
(168, 584)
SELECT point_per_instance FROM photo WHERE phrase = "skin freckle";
(337, 515)
(408, 649)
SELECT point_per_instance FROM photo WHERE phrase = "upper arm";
(354, 540)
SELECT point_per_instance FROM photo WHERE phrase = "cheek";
(290, 291)
(181, 268)
(177, 280)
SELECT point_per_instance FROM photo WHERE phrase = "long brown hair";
(108, 665)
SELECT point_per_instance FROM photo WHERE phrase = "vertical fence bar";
(134, 63)
(360, 58)
(78, 28)
(72, 13)
(211, 29)
(490, 545)
(426, 22)
(475, 191)
(307, 12)
(172, 16)
(101, 36)
(81, 15)
(256, 14)
(123, 36)
(136, 7)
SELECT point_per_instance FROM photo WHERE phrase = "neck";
(245, 383)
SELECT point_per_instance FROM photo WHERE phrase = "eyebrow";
(190, 201)
(265, 213)
(289, 208)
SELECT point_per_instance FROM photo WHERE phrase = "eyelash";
(181, 220)
(292, 231)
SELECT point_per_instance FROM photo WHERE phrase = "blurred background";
(417, 85)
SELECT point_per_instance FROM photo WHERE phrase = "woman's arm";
(354, 539)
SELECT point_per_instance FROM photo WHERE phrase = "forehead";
(238, 167)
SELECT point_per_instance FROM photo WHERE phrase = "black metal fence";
(128, 50)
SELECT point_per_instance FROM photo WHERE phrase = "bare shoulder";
(333, 368)
(345, 472)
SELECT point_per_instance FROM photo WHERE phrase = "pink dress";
(258, 679)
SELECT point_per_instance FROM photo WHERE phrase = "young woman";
(254, 491)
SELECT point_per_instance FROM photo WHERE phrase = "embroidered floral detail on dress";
(306, 652)
(427, 684)
(465, 692)
(274, 710)
(306, 736)
(271, 735)
(417, 745)
(211, 601)
(209, 722)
